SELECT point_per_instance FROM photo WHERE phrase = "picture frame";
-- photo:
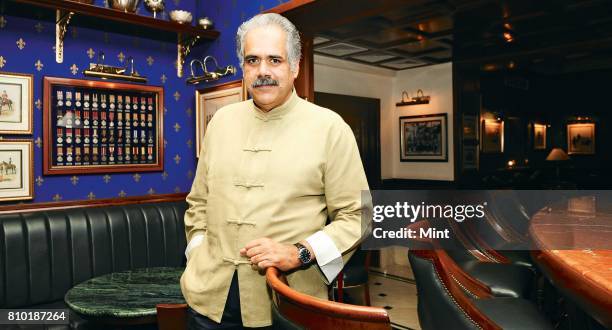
(539, 136)
(16, 170)
(92, 126)
(470, 157)
(492, 136)
(211, 99)
(424, 138)
(16, 108)
(581, 139)
(470, 127)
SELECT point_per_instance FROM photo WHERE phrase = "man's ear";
(297, 70)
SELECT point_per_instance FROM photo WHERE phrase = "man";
(271, 171)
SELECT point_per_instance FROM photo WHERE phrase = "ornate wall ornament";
(21, 44)
(39, 65)
(74, 69)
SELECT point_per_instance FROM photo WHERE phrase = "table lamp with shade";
(557, 155)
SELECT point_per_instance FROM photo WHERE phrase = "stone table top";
(126, 294)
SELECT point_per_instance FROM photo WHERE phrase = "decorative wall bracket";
(62, 20)
(184, 46)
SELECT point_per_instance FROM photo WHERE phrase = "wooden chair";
(171, 316)
(354, 274)
(295, 310)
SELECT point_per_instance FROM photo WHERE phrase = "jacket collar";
(278, 112)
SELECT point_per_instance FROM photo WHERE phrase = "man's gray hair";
(294, 47)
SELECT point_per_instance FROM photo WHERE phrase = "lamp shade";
(557, 154)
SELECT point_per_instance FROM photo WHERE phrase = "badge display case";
(102, 127)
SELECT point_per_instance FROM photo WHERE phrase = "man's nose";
(263, 69)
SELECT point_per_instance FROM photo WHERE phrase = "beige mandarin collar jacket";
(276, 174)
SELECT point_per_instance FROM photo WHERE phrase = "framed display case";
(102, 127)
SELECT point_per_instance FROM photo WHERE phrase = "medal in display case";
(102, 127)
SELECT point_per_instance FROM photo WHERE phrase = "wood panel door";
(362, 114)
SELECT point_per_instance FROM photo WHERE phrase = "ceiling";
(547, 36)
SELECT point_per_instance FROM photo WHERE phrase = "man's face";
(267, 73)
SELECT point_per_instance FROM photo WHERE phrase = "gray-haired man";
(271, 171)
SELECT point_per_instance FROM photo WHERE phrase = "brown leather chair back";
(308, 312)
(171, 316)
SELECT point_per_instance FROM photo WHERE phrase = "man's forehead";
(266, 41)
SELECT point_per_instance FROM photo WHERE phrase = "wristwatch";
(303, 254)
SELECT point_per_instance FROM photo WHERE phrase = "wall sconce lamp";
(101, 70)
(209, 76)
(419, 99)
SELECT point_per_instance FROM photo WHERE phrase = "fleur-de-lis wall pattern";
(32, 52)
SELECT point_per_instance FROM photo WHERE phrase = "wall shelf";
(66, 12)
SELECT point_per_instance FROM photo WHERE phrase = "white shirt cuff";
(327, 255)
(195, 241)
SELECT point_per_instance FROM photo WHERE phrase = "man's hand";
(265, 253)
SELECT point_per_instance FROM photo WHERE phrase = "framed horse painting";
(15, 103)
(16, 171)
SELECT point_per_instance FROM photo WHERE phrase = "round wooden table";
(127, 297)
(575, 238)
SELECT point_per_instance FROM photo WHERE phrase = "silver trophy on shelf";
(155, 6)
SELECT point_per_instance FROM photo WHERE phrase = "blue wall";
(178, 176)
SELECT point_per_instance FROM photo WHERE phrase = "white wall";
(437, 82)
(349, 78)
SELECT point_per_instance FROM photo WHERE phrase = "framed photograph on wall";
(539, 137)
(16, 170)
(492, 140)
(16, 103)
(581, 139)
(211, 99)
(423, 138)
(470, 127)
(470, 157)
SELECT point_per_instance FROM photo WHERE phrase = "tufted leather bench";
(46, 250)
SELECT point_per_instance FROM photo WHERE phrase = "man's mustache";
(264, 82)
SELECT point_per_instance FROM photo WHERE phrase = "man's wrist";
(304, 254)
